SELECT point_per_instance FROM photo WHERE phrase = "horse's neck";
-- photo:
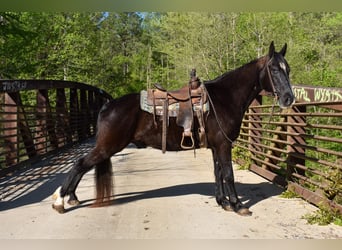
(246, 86)
(252, 94)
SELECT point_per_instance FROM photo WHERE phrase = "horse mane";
(232, 73)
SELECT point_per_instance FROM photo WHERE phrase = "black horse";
(121, 121)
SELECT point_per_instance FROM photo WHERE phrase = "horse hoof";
(227, 207)
(244, 212)
(59, 208)
(74, 202)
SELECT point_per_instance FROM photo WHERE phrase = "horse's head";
(274, 77)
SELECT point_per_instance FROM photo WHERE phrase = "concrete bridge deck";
(158, 196)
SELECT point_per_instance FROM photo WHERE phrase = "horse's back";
(121, 105)
(121, 121)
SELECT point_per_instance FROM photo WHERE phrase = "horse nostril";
(288, 101)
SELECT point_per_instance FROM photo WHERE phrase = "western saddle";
(185, 103)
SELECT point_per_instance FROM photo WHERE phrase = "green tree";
(122, 53)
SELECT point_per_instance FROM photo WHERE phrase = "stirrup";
(192, 141)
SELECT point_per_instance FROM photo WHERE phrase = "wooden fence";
(301, 147)
(40, 116)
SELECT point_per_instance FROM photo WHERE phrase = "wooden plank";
(274, 178)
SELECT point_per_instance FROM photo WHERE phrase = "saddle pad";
(173, 108)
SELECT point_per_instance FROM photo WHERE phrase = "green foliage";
(289, 194)
(324, 216)
(242, 157)
(125, 52)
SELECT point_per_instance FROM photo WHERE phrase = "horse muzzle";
(286, 101)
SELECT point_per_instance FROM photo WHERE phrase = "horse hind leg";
(103, 185)
(68, 187)
(58, 205)
(83, 165)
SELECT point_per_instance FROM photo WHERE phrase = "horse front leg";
(227, 184)
(220, 192)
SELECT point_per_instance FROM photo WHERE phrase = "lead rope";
(216, 117)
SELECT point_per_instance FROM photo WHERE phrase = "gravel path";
(158, 196)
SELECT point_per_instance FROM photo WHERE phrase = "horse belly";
(149, 134)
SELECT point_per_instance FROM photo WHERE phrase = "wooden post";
(83, 115)
(45, 123)
(74, 108)
(10, 130)
(252, 125)
(293, 148)
(92, 112)
(63, 130)
(23, 126)
(41, 133)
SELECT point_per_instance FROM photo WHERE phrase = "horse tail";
(104, 183)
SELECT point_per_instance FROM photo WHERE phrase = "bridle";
(274, 91)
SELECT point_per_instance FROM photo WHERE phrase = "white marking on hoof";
(56, 194)
(59, 201)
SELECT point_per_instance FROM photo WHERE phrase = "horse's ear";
(283, 50)
(271, 50)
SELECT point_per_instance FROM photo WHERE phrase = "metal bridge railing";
(300, 148)
(40, 116)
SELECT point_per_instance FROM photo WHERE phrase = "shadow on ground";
(250, 194)
(37, 182)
